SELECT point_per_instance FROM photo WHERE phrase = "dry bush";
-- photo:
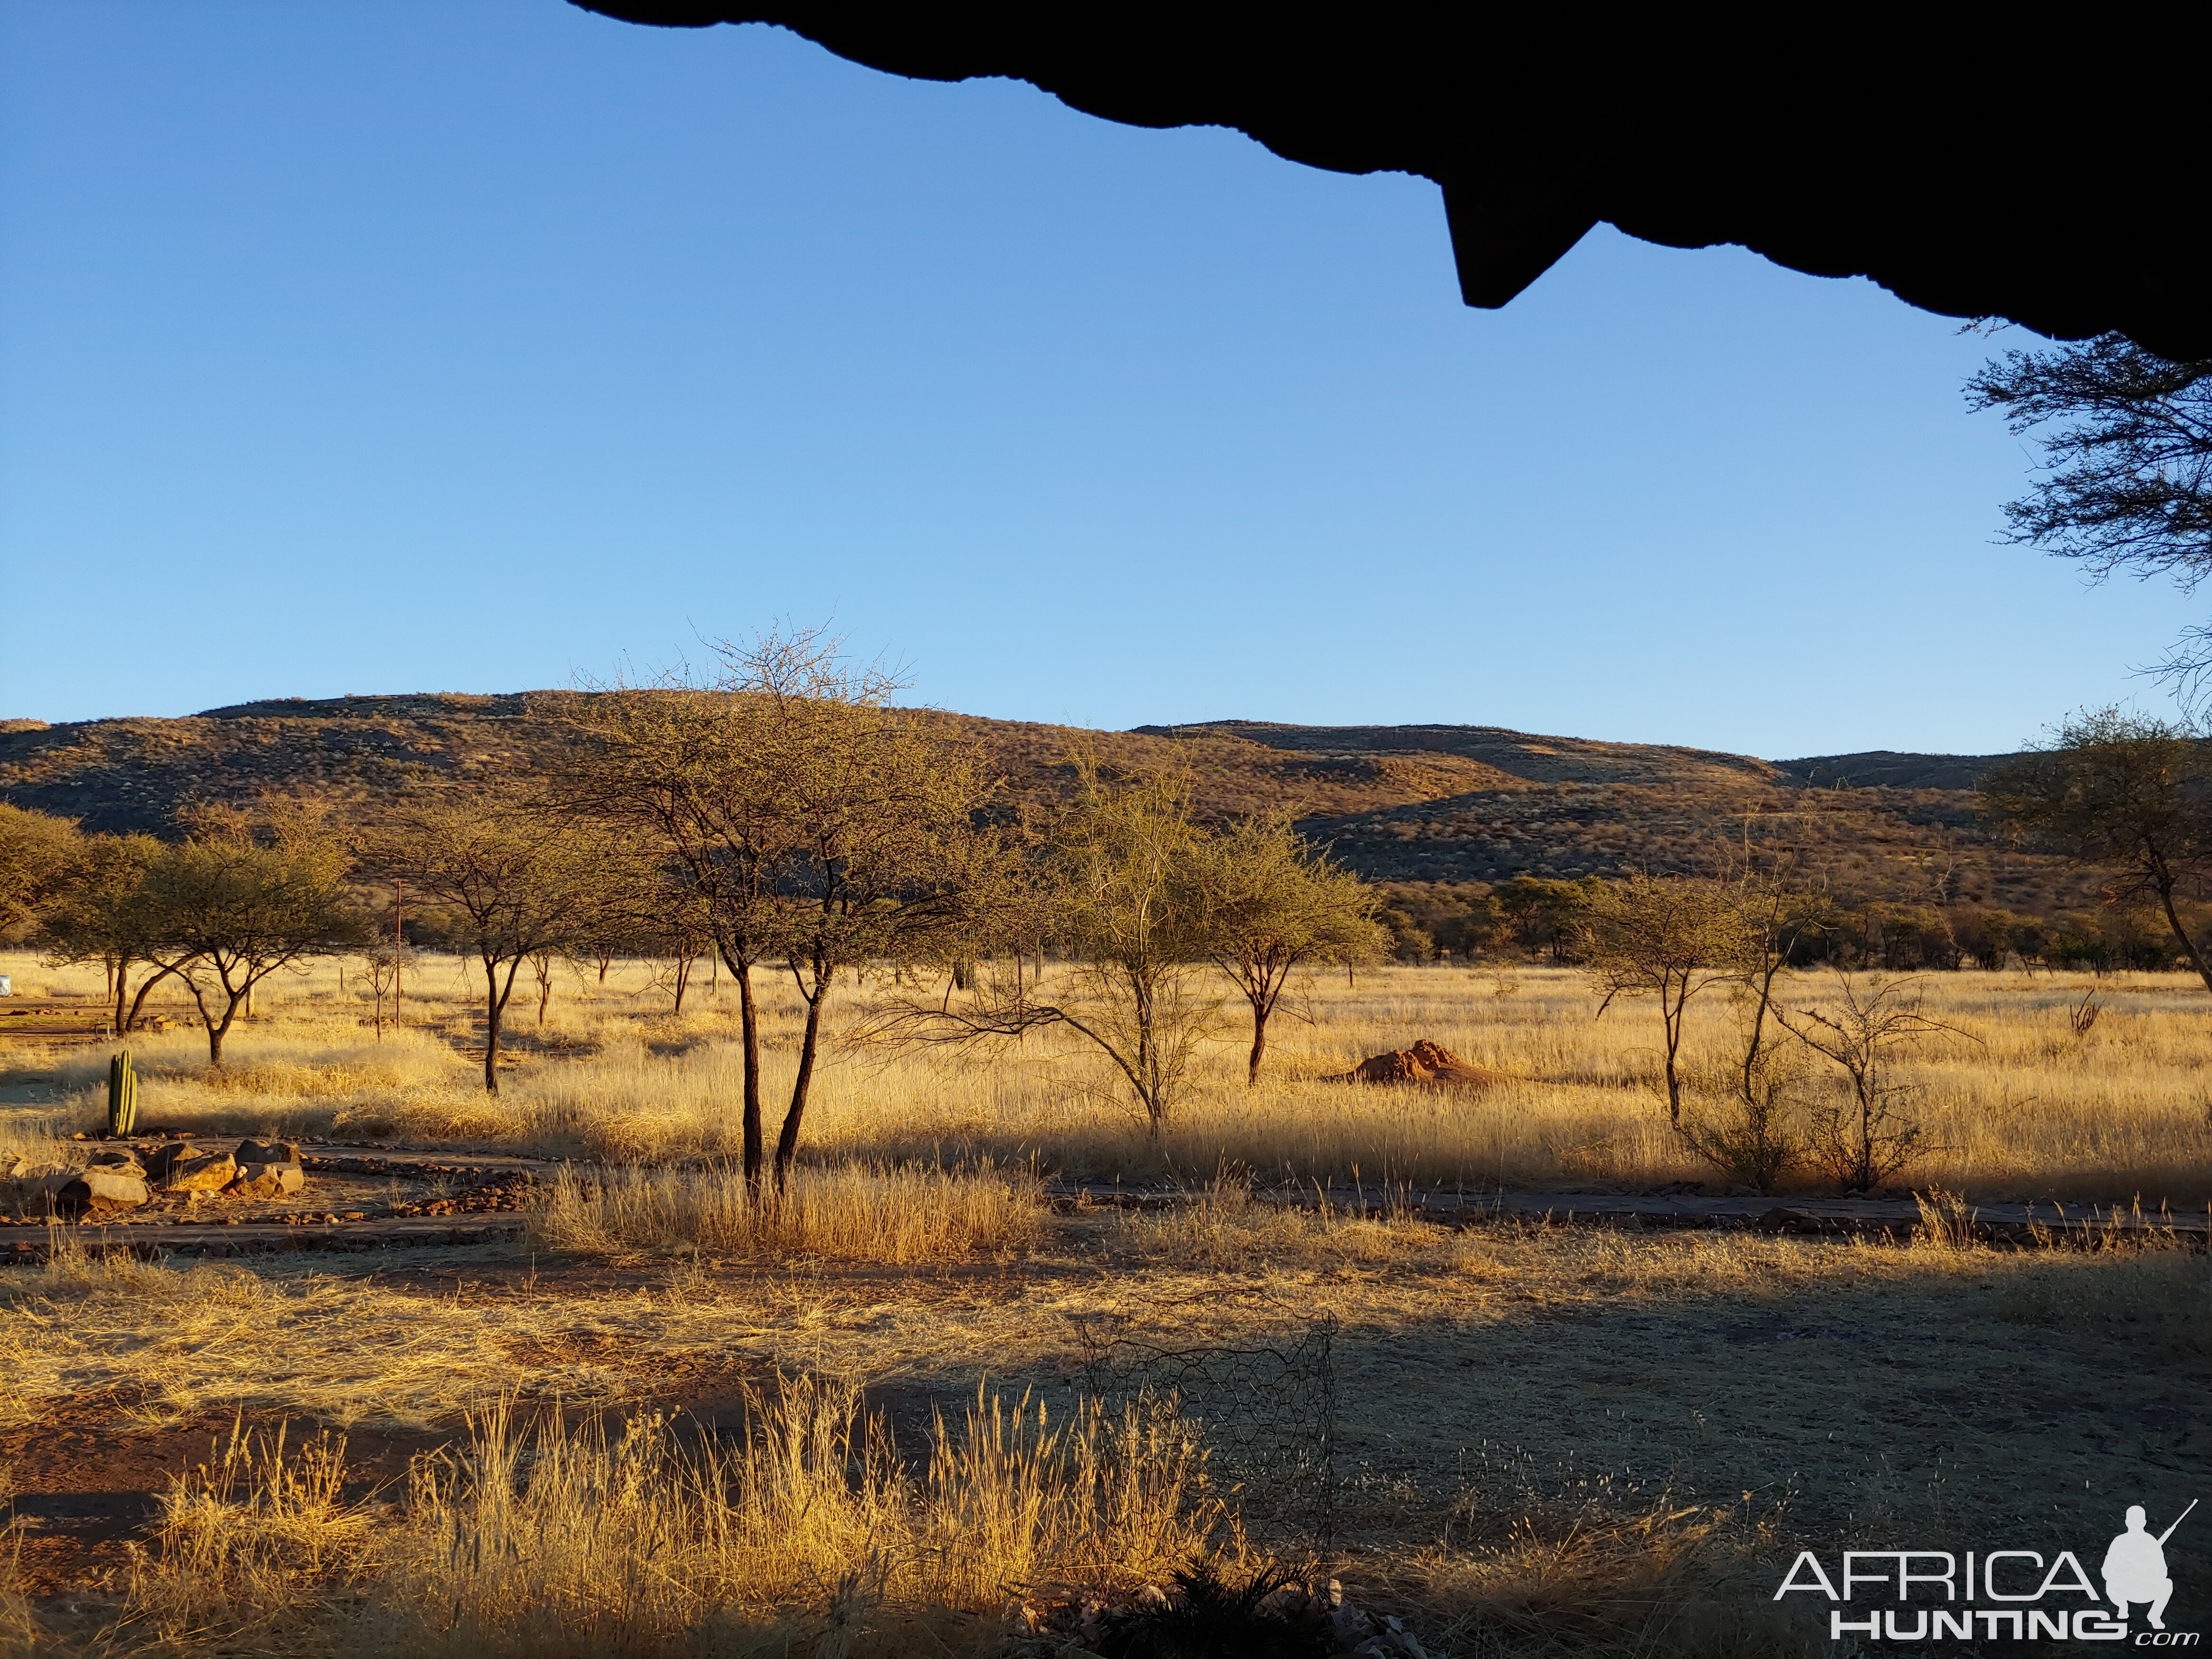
(812, 1499)
(897, 1215)
(1946, 1221)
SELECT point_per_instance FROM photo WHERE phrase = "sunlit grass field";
(1555, 1441)
(2017, 1105)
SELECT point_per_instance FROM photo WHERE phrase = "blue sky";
(374, 346)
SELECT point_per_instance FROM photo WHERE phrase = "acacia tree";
(679, 765)
(108, 915)
(1274, 906)
(803, 819)
(517, 879)
(1751, 1139)
(1121, 880)
(1669, 938)
(2124, 794)
(682, 764)
(244, 895)
(882, 858)
(385, 961)
(2127, 439)
(39, 855)
(678, 933)
(1865, 1138)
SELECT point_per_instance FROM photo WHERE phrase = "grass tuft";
(898, 1215)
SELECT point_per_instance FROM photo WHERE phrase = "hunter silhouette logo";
(2135, 1566)
(2003, 1595)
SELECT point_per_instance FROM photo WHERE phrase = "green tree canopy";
(2126, 794)
(1274, 905)
(1667, 939)
(517, 879)
(39, 857)
(245, 894)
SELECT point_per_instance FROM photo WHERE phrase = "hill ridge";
(1433, 802)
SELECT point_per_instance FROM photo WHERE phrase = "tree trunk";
(749, 1017)
(787, 1142)
(138, 1002)
(1259, 1045)
(218, 1029)
(2180, 932)
(495, 1008)
(1671, 1010)
(217, 1032)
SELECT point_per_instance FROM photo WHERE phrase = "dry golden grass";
(1700, 1367)
(2031, 1110)
(19, 1627)
(809, 1533)
(167, 1345)
(577, 1542)
(1666, 1582)
(256, 1536)
(897, 1216)
(1224, 1226)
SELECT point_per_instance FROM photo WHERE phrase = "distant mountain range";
(1398, 803)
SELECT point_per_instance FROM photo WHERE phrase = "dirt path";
(348, 1174)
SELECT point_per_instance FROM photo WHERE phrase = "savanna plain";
(640, 1415)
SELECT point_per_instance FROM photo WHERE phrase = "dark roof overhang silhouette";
(1976, 164)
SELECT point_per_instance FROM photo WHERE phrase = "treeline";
(783, 816)
(1533, 919)
(239, 896)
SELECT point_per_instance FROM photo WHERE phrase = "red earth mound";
(1424, 1062)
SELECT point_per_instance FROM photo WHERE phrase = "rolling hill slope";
(1403, 803)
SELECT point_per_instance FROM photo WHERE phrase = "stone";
(267, 1181)
(159, 1160)
(197, 1172)
(267, 1151)
(1288, 1602)
(1352, 1627)
(1392, 1637)
(1152, 1598)
(102, 1189)
(125, 1160)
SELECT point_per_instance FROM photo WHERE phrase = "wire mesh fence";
(1266, 1412)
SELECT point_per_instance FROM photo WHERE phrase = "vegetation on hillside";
(1451, 804)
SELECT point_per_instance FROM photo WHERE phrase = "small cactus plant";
(122, 1095)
